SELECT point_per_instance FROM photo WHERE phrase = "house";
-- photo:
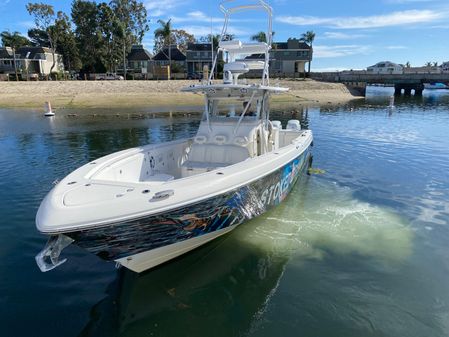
(198, 55)
(29, 61)
(289, 58)
(139, 62)
(38, 60)
(385, 67)
(161, 61)
(6, 60)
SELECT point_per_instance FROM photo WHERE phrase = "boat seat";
(159, 178)
(215, 153)
(207, 157)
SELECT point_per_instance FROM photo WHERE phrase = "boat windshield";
(234, 108)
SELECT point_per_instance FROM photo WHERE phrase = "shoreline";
(151, 94)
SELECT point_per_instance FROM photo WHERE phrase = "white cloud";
(27, 24)
(395, 47)
(201, 17)
(158, 8)
(196, 16)
(324, 51)
(374, 21)
(199, 24)
(203, 30)
(341, 36)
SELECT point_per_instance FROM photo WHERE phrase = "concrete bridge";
(356, 81)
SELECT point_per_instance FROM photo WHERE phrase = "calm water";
(360, 249)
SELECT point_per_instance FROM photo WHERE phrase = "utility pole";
(124, 61)
(15, 63)
(212, 50)
(169, 58)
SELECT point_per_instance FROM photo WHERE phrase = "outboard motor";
(293, 124)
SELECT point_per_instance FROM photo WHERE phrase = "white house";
(385, 67)
(29, 60)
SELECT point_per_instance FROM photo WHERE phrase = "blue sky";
(350, 34)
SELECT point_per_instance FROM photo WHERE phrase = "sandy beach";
(135, 94)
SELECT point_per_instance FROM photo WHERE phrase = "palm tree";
(15, 41)
(407, 65)
(259, 37)
(428, 64)
(308, 37)
(164, 32)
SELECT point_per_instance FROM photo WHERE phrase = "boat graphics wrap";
(123, 239)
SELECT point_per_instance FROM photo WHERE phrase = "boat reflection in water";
(222, 284)
(225, 288)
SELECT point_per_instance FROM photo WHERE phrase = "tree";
(309, 37)
(407, 65)
(112, 33)
(105, 32)
(216, 39)
(259, 37)
(44, 17)
(428, 64)
(66, 43)
(87, 34)
(162, 36)
(262, 37)
(132, 15)
(181, 38)
(38, 37)
(15, 41)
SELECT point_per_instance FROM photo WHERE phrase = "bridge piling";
(407, 88)
(356, 81)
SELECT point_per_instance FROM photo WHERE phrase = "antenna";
(211, 46)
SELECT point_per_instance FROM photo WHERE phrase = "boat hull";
(143, 243)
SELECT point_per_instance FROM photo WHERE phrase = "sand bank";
(136, 94)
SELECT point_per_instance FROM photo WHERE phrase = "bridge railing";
(359, 76)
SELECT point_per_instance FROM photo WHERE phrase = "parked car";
(109, 77)
(194, 76)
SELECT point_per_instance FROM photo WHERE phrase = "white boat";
(144, 206)
(435, 86)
